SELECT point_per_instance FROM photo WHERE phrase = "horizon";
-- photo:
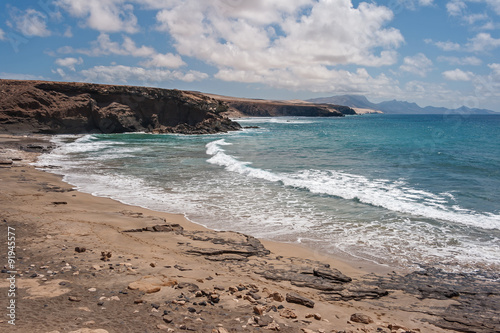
(302, 49)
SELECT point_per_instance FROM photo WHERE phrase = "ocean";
(404, 191)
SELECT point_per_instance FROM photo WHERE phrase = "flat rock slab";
(298, 299)
(476, 296)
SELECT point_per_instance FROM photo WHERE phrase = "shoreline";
(343, 259)
(185, 265)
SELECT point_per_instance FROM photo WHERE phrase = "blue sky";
(441, 53)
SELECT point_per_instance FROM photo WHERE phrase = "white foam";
(392, 195)
(275, 120)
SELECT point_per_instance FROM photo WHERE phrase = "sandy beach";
(87, 264)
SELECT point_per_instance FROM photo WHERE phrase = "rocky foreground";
(93, 265)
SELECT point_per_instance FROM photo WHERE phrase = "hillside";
(62, 107)
(395, 107)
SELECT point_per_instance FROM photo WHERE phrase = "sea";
(402, 191)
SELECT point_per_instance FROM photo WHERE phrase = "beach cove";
(190, 278)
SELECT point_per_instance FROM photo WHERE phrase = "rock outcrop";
(60, 107)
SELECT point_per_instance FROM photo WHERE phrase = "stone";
(298, 299)
(276, 296)
(74, 299)
(259, 309)
(191, 287)
(288, 313)
(264, 320)
(331, 274)
(167, 319)
(214, 297)
(361, 318)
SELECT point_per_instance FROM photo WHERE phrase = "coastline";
(52, 220)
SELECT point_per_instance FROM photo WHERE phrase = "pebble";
(74, 298)
(259, 309)
(92, 289)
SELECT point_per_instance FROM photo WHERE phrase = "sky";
(439, 53)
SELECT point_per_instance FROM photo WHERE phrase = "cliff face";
(280, 109)
(57, 107)
(244, 107)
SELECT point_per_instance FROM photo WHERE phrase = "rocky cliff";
(244, 107)
(58, 107)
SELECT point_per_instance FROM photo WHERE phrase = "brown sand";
(62, 290)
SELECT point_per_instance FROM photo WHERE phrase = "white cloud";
(448, 46)
(18, 76)
(69, 62)
(2, 35)
(168, 60)
(315, 78)
(68, 33)
(256, 41)
(494, 4)
(125, 74)
(418, 64)
(458, 75)
(29, 22)
(456, 8)
(60, 72)
(105, 46)
(103, 15)
(472, 61)
(482, 42)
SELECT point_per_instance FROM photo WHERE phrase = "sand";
(79, 271)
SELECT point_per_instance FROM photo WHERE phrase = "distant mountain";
(394, 106)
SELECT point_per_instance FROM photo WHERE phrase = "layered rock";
(244, 107)
(59, 107)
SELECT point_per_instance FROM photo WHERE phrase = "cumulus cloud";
(125, 74)
(456, 7)
(314, 78)
(105, 46)
(283, 43)
(418, 64)
(168, 60)
(102, 15)
(30, 22)
(448, 46)
(472, 61)
(69, 62)
(482, 42)
(458, 75)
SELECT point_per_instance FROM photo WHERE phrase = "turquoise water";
(401, 190)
